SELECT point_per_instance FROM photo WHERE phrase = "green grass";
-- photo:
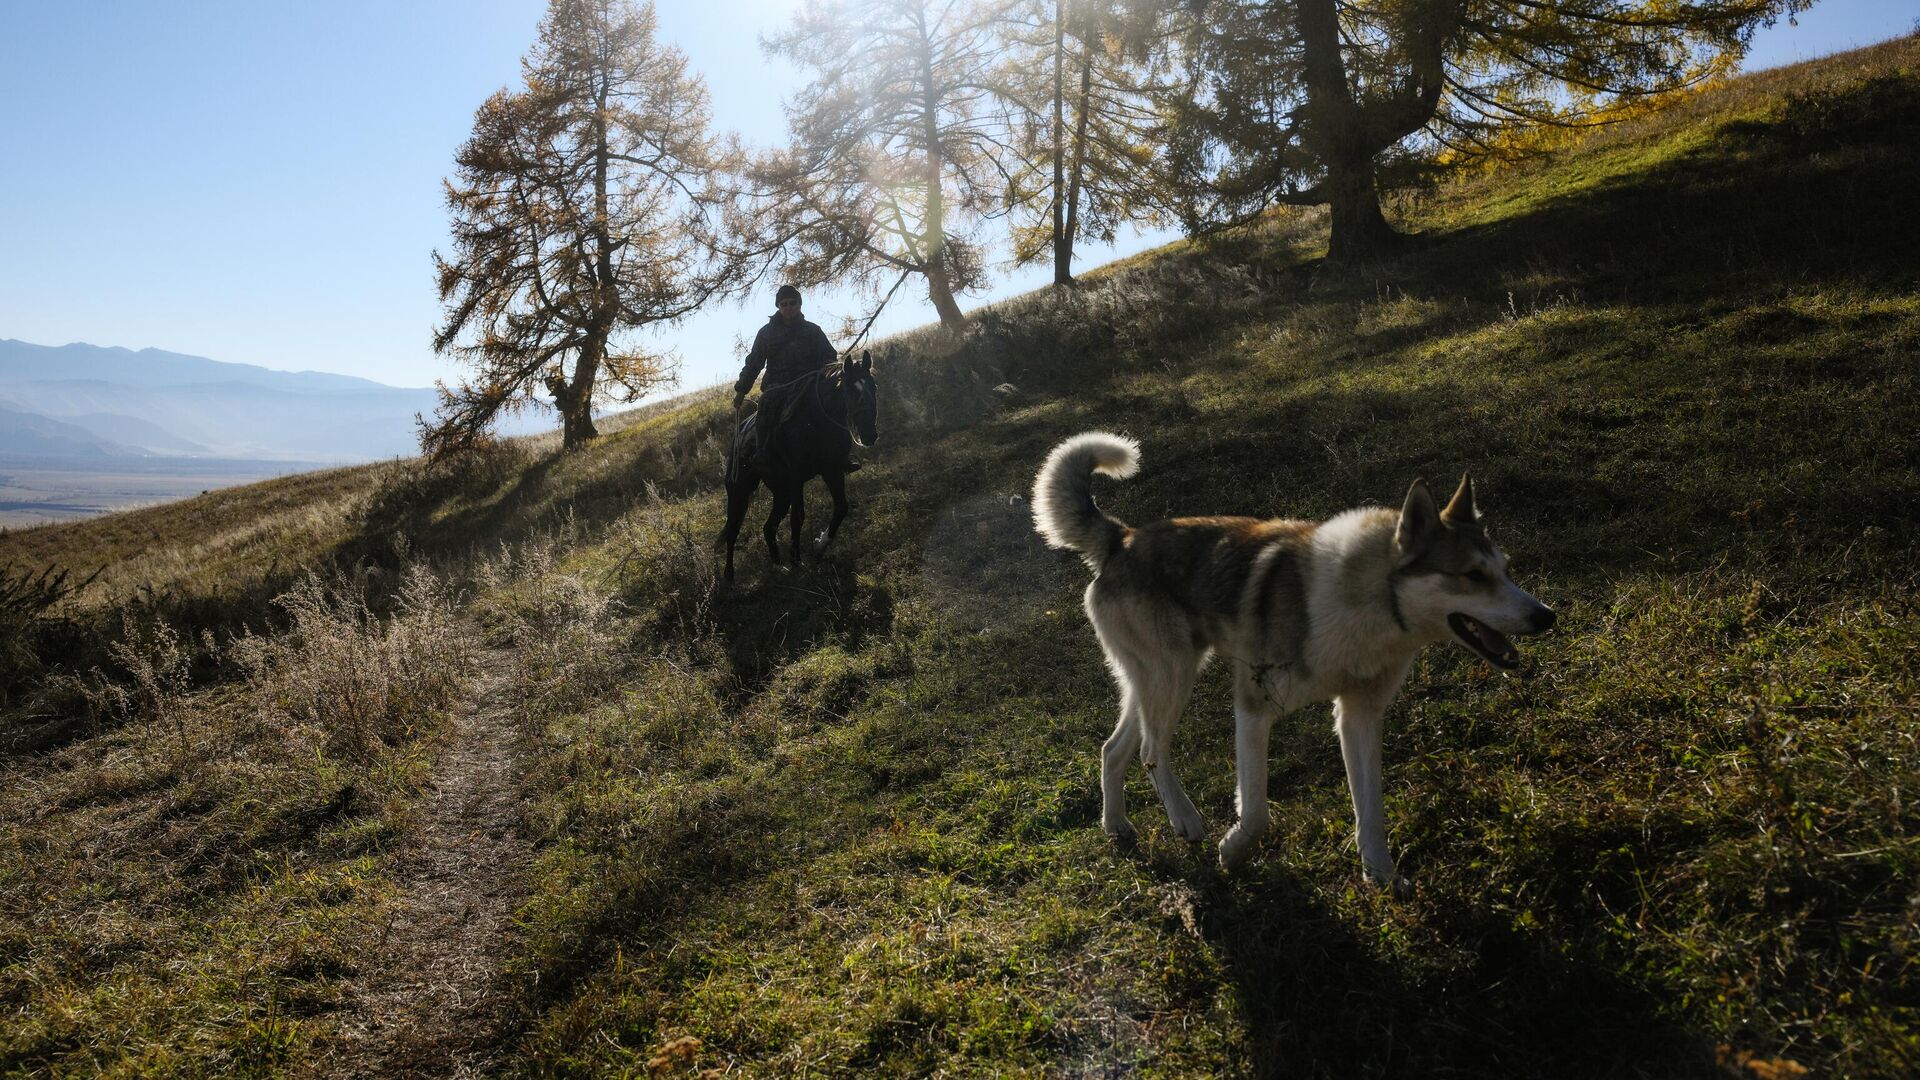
(844, 821)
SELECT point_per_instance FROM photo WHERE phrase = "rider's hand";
(739, 400)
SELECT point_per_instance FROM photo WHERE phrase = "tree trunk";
(1340, 132)
(1074, 187)
(1062, 240)
(574, 397)
(573, 400)
(1359, 230)
(576, 405)
(934, 236)
(577, 428)
(940, 291)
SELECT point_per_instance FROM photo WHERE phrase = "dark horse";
(831, 408)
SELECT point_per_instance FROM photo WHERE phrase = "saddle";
(746, 444)
(744, 437)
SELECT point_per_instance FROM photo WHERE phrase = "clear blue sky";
(260, 182)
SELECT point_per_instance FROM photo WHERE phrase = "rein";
(876, 314)
(818, 376)
(847, 424)
(844, 425)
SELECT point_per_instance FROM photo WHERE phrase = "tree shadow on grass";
(1817, 192)
(444, 509)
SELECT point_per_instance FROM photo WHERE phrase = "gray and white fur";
(1305, 611)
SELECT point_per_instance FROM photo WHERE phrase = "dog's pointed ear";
(1460, 509)
(1419, 521)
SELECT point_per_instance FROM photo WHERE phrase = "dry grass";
(185, 890)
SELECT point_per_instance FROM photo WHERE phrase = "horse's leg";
(739, 496)
(837, 487)
(799, 515)
(782, 495)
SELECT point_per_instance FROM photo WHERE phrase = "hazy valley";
(85, 430)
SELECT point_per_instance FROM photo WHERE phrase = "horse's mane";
(836, 372)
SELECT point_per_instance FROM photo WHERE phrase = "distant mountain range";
(87, 401)
(39, 436)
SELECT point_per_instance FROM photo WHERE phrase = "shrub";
(157, 663)
(666, 569)
(563, 625)
(358, 682)
(29, 630)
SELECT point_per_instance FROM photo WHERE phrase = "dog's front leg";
(1251, 727)
(1359, 718)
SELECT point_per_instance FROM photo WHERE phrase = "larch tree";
(1318, 102)
(896, 148)
(589, 204)
(1081, 86)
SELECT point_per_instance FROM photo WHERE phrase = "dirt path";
(425, 1003)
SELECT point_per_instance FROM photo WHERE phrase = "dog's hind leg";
(1162, 691)
(1152, 693)
(1115, 755)
(1253, 714)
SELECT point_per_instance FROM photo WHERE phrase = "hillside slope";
(844, 820)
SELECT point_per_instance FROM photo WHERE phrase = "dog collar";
(1393, 602)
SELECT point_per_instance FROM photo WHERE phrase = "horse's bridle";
(819, 375)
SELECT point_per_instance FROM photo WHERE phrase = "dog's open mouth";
(1491, 645)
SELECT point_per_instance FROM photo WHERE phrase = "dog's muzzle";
(1493, 646)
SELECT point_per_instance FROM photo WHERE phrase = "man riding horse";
(832, 407)
(793, 351)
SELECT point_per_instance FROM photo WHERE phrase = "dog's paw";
(1237, 848)
(1190, 827)
(1391, 881)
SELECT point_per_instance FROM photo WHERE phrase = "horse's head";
(863, 399)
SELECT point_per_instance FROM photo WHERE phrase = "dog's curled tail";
(1063, 506)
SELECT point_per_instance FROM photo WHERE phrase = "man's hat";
(784, 292)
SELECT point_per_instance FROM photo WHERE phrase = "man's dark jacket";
(787, 352)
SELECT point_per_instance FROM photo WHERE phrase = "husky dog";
(1305, 611)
